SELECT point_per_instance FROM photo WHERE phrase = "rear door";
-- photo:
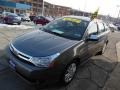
(102, 34)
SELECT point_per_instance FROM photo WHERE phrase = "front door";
(93, 46)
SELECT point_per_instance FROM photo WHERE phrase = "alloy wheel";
(70, 72)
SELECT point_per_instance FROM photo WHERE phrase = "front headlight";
(43, 61)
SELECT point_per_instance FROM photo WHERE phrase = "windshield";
(71, 28)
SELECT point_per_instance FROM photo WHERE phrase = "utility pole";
(118, 13)
(85, 5)
(43, 8)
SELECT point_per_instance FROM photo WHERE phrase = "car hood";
(40, 44)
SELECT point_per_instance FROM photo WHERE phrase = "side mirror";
(93, 38)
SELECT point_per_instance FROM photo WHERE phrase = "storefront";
(13, 7)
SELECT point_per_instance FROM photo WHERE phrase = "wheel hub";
(70, 72)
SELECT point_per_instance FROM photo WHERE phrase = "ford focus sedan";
(54, 52)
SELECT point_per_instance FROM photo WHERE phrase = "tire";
(4, 22)
(69, 73)
(19, 23)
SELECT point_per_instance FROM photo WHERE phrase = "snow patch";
(15, 26)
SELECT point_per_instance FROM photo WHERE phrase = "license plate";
(12, 65)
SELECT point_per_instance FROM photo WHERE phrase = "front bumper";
(31, 72)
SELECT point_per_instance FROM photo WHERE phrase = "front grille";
(19, 54)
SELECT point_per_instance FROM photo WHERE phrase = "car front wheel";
(69, 73)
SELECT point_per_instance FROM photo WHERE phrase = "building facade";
(55, 10)
(33, 7)
(36, 5)
(13, 6)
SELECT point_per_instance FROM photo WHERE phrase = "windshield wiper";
(49, 31)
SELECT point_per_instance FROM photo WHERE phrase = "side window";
(40, 17)
(92, 29)
(101, 28)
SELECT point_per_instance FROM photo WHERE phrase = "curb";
(118, 50)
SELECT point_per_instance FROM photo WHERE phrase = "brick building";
(49, 9)
(34, 7)
(55, 10)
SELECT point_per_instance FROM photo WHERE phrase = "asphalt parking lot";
(92, 76)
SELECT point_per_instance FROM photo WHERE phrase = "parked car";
(24, 17)
(54, 52)
(117, 25)
(0, 16)
(113, 27)
(50, 18)
(32, 17)
(4, 14)
(41, 20)
(0, 13)
(12, 18)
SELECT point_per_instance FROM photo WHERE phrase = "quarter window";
(101, 28)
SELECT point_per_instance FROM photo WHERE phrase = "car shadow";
(90, 76)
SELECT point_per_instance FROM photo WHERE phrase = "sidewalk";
(92, 76)
(113, 83)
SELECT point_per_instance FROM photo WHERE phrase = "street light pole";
(43, 8)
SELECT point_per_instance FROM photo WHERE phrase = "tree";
(95, 14)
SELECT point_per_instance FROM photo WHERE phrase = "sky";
(106, 7)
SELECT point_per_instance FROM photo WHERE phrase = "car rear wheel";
(69, 73)
(4, 21)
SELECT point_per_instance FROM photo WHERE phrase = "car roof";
(80, 17)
